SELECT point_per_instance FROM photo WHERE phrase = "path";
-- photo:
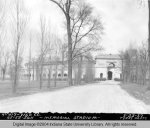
(106, 97)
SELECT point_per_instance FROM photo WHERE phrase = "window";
(44, 75)
(101, 75)
(120, 76)
(59, 75)
(65, 75)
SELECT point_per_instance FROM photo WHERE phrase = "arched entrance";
(110, 74)
(101, 75)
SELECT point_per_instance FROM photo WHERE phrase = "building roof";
(59, 62)
(108, 56)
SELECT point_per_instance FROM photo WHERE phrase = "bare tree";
(80, 24)
(135, 64)
(30, 62)
(142, 69)
(5, 63)
(89, 75)
(63, 52)
(19, 22)
(149, 39)
(86, 30)
(49, 55)
(130, 64)
(2, 32)
(2, 13)
(43, 47)
(57, 46)
(142, 2)
(65, 6)
(49, 74)
(54, 51)
(121, 55)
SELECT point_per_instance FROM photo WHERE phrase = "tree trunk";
(55, 81)
(41, 76)
(49, 77)
(4, 72)
(69, 51)
(122, 71)
(79, 71)
(62, 70)
(33, 71)
(37, 72)
(29, 79)
(15, 74)
(149, 39)
(29, 76)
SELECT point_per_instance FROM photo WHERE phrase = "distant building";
(105, 67)
(108, 67)
(81, 66)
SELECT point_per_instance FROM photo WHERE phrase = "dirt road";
(106, 97)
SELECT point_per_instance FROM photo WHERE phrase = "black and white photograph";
(75, 56)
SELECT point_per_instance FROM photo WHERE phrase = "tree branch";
(59, 5)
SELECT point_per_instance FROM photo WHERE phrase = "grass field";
(140, 92)
(24, 88)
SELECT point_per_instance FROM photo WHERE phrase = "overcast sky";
(124, 21)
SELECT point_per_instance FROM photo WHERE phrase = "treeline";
(136, 65)
(82, 35)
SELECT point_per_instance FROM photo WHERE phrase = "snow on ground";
(106, 97)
